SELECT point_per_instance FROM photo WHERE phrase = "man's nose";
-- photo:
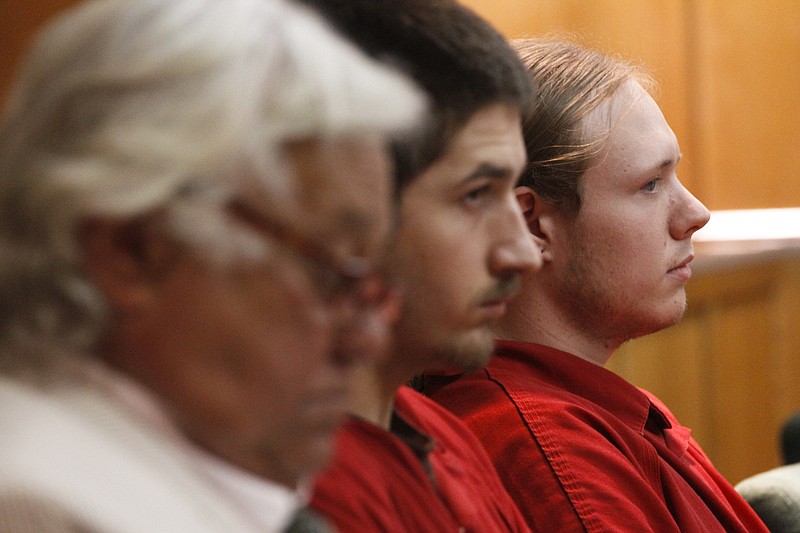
(517, 251)
(690, 216)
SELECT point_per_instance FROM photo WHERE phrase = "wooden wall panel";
(740, 399)
(744, 86)
(652, 33)
(19, 20)
(729, 73)
(787, 344)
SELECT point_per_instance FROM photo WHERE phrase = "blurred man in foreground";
(195, 196)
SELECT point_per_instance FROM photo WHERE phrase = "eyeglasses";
(335, 277)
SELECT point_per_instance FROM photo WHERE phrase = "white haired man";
(195, 197)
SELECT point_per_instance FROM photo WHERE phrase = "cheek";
(367, 336)
(295, 324)
(281, 328)
(621, 235)
(630, 257)
(603, 248)
(440, 272)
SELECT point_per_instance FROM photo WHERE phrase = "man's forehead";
(630, 124)
(361, 220)
(350, 221)
(489, 146)
(346, 180)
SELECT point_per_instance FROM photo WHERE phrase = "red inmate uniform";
(581, 449)
(430, 474)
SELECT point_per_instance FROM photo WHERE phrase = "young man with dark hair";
(403, 463)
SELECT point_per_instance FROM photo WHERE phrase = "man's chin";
(313, 457)
(469, 351)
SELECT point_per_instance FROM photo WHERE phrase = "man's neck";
(372, 401)
(566, 341)
(535, 322)
(375, 389)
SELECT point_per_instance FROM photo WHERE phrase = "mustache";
(505, 288)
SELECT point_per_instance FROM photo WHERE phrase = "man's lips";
(495, 302)
(682, 270)
(497, 307)
(684, 263)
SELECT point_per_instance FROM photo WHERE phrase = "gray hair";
(125, 107)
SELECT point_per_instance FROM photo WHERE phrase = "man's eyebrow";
(665, 163)
(488, 170)
(348, 222)
(352, 220)
(671, 161)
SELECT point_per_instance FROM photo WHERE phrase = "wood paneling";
(651, 33)
(744, 86)
(19, 20)
(729, 72)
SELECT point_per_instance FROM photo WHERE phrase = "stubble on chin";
(469, 351)
(472, 349)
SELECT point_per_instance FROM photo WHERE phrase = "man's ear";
(126, 259)
(538, 215)
(526, 199)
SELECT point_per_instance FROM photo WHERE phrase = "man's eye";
(652, 185)
(477, 193)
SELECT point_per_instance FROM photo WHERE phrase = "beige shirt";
(91, 450)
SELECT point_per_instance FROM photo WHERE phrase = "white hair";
(128, 106)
